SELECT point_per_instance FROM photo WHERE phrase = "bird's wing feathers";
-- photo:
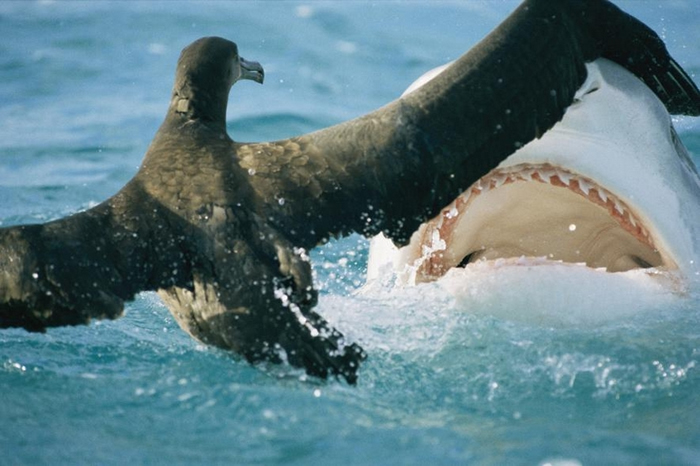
(252, 292)
(627, 41)
(392, 169)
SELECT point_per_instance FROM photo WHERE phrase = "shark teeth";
(452, 213)
(555, 176)
(498, 180)
(565, 177)
(547, 174)
(619, 207)
(603, 195)
(526, 175)
(584, 186)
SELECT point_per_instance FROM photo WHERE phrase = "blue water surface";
(83, 88)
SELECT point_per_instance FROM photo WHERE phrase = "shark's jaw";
(608, 189)
(534, 212)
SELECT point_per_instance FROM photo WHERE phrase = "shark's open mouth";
(535, 211)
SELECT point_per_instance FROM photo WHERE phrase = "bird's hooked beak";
(252, 70)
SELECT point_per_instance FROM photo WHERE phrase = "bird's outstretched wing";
(390, 170)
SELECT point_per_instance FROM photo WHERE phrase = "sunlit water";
(83, 88)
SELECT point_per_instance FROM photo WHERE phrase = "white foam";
(539, 291)
(554, 293)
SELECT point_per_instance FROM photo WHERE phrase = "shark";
(610, 195)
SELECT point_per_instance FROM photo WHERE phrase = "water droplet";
(280, 201)
(572, 227)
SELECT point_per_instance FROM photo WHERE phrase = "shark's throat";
(535, 210)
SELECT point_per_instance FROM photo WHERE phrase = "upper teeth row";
(556, 176)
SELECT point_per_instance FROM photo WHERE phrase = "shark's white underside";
(610, 190)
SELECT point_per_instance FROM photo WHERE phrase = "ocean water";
(83, 88)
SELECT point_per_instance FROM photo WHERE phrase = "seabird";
(221, 229)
